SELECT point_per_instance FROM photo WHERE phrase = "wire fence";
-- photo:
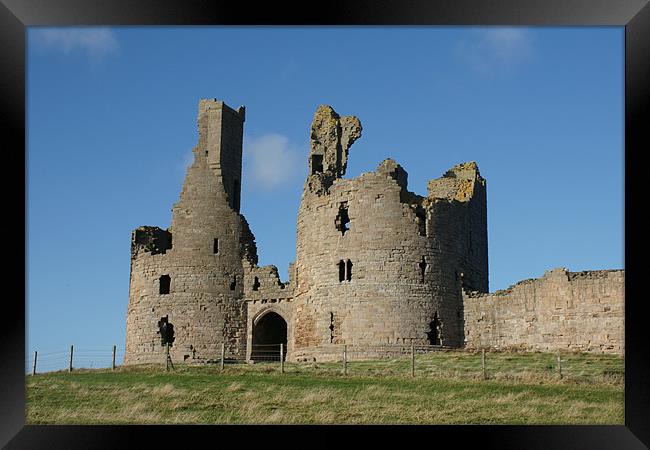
(375, 361)
(88, 357)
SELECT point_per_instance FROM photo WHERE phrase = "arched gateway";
(269, 331)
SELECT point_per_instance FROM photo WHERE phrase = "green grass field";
(522, 388)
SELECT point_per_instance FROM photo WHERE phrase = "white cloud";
(188, 159)
(270, 161)
(184, 165)
(96, 42)
(496, 49)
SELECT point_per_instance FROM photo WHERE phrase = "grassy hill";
(522, 388)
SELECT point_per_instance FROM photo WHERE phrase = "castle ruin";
(375, 264)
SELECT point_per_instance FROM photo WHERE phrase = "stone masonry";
(580, 311)
(375, 264)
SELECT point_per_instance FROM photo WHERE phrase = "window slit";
(165, 283)
(423, 268)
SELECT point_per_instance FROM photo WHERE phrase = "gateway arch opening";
(268, 333)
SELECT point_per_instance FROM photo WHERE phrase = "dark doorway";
(434, 333)
(268, 333)
(166, 331)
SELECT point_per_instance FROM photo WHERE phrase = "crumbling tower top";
(331, 137)
(221, 131)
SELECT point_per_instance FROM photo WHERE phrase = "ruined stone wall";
(205, 300)
(577, 311)
(407, 252)
(458, 212)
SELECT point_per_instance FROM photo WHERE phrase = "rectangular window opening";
(421, 215)
(165, 283)
(316, 164)
(341, 270)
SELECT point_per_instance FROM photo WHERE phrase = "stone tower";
(375, 263)
(191, 275)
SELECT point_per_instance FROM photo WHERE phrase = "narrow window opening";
(316, 163)
(348, 272)
(233, 284)
(422, 220)
(423, 268)
(341, 270)
(342, 221)
(331, 327)
(165, 282)
(215, 246)
(256, 284)
(434, 333)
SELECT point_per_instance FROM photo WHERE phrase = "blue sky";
(111, 121)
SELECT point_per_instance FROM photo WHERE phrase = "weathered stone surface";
(375, 264)
(330, 140)
(562, 310)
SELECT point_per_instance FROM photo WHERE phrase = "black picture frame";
(16, 15)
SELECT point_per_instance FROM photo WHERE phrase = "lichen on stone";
(331, 137)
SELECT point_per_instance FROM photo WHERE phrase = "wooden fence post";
(345, 359)
(281, 358)
(559, 365)
(71, 353)
(223, 353)
(483, 363)
(34, 366)
(412, 360)
(113, 365)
